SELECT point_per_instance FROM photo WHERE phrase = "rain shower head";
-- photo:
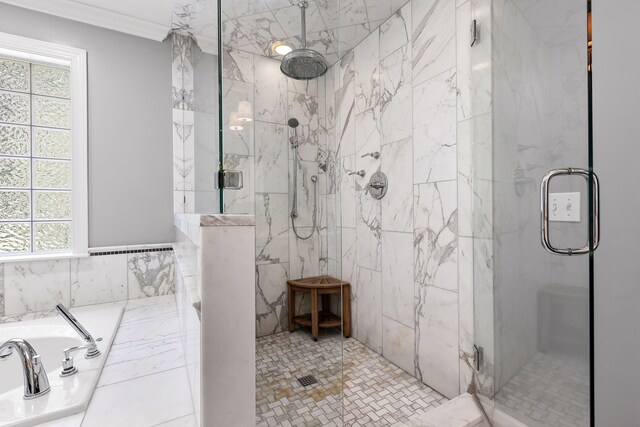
(293, 123)
(303, 63)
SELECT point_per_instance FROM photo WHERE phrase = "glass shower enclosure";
(533, 187)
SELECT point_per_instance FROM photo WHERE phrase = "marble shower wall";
(405, 91)
(262, 151)
(35, 286)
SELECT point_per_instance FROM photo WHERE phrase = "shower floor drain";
(307, 380)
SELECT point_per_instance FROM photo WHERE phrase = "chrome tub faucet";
(36, 382)
(68, 366)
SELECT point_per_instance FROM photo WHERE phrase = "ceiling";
(556, 22)
(333, 26)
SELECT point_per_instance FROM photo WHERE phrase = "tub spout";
(36, 382)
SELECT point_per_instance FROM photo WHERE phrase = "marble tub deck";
(144, 382)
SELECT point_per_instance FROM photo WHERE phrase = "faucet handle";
(375, 155)
(360, 173)
(68, 366)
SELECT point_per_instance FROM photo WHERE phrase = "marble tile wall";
(183, 123)
(262, 151)
(405, 91)
(40, 285)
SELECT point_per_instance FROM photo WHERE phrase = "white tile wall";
(39, 285)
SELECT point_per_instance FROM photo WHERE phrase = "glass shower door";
(532, 304)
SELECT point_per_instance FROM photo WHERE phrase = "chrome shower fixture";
(294, 140)
(303, 63)
(295, 143)
(375, 155)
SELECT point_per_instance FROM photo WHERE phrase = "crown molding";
(96, 16)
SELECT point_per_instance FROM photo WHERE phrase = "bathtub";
(49, 336)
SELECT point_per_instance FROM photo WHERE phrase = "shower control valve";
(360, 173)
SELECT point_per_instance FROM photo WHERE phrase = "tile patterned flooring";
(376, 392)
(552, 390)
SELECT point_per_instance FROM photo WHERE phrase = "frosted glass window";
(14, 172)
(51, 81)
(52, 205)
(14, 75)
(35, 158)
(52, 236)
(15, 205)
(51, 143)
(15, 140)
(54, 174)
(15, 237)
(14, 108)
(51, 112)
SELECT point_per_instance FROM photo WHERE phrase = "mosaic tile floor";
(552, 390)
(376, 392)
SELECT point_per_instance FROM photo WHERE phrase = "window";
(43, 146)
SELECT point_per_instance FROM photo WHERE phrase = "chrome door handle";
(544, 207)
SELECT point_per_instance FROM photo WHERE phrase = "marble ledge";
(215, 220)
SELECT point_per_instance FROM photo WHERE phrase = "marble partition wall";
(405, 91)
(108, 275)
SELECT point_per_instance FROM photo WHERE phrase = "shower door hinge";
(229, 180)
(478, 357)
(475, 32)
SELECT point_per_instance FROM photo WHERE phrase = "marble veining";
(272, 228)
(151, 274)
(435, 235)
(145, 374)
(98, 279)
(216, 220)
(271, 298)
(433, 29)
(333, 29)
(405, 91)
(36, 286)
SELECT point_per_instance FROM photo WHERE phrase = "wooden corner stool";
(323, 286)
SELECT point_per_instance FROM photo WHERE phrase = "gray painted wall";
(130, 146)
(616, 71)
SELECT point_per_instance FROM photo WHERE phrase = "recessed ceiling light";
(281, 48)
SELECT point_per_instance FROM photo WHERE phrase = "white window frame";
(76, 59)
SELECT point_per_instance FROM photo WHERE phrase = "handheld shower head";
(293, 124)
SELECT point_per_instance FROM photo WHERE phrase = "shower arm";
(303, 22)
